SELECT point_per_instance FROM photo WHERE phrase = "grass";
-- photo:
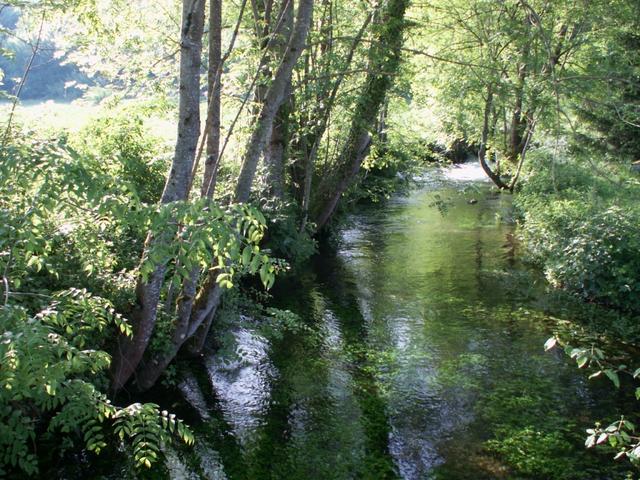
(53, 116)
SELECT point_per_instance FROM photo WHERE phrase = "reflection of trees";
(341, 293)
(220, 438)
(331, 414)
(310, 430)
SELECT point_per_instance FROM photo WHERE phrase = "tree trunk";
(262, 28)
(210, 294)
(274, 154)
(358, 149)
(215, 93)
(518, 124)
(151, 368)
(381, 130)
(131, 351)
(324, 111)
(384, 61)
(482, 153)
(516, 130)
(273, 99)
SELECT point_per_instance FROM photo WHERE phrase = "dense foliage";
(580, 222)
(75, 220)
(118, 245)
(49, 387)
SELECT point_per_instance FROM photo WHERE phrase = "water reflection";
(243, 386)
(411, 334)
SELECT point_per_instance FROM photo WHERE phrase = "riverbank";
(580, 224)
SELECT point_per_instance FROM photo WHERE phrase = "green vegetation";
(580, 222)
(161, 163)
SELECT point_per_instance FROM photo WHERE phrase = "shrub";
(50, 386)
(126, 151)
(284, 236)
(583, 228)
(63, 218)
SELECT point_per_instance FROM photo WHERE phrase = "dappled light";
(320, 239)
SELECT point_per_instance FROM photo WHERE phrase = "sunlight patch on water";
(243, 386)
(176, 467)
(465, 172)
(210, 463)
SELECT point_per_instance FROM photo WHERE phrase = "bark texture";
(131, 351)
(384, 61)
(272, 102)
(275, 153)
(215, 93)
(196, 309)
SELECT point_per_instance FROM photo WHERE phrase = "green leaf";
(582, 360)
(613, 376)
(246, 255)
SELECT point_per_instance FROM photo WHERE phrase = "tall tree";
(131, 351)
(215, 94)
(384, 62)
(197, 306)
(272, 101)
(521, 52)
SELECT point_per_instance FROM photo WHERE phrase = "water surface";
(420, 344)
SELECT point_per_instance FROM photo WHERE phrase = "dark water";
(418, 355)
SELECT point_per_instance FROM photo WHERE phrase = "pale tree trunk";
(273, 99)
(211, 293)
(131, 351)
(381, 130)
(195, 312)
(215, 93)
(384, 61)
(151, 368)
(274, 154)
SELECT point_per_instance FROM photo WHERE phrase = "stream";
(417, 354)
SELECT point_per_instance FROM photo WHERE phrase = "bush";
(67, 219)
(125, 150)
(284, 237)
(581, 224)
(50, 386)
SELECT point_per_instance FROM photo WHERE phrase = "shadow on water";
(420, 357)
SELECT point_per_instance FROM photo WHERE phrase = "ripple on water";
(409, 339)
(243, 387)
